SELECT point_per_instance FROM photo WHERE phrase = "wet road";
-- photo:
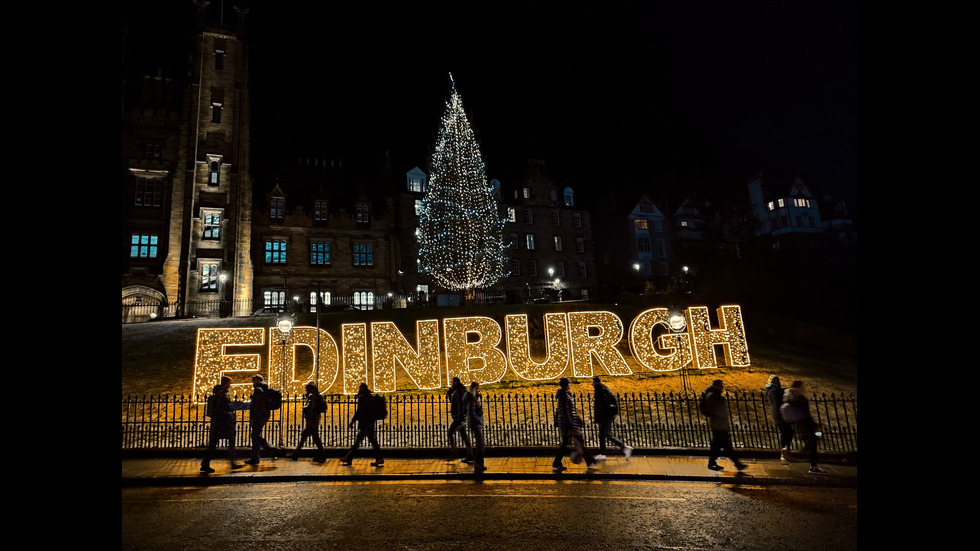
(380, 515)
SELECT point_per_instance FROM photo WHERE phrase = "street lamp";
(678, 324)
(284, 325)
(222, 278)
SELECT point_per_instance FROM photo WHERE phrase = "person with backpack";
(313, 406)
(366, 415)
(715, 408)
(455, 396)
(796, 409)
(774, 394)
(259, 411)
(570, 424)
(222, 413)
(473, 406)
(606, 407)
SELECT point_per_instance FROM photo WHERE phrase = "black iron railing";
(646, 420)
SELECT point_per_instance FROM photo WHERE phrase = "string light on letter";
(211, 362)
(519, 347)
(282, 366)
(642, 342)
(389, 346)
(354, 344)
(730, 335)
(601, 345)
(461, 354)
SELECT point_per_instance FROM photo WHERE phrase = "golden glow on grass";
(471, 350)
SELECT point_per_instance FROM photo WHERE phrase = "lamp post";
(222, 279)
(678, 324)
(284, 325)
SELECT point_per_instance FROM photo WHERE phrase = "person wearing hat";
(313, 406)
(567, 419)
(774, 394)
(606, 407)
(714, 407)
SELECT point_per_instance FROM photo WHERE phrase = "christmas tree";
(460, 225)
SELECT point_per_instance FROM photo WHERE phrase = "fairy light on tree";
(460, 226)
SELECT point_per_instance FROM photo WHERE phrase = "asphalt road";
(472, 515)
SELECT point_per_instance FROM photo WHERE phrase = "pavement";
(764, 468)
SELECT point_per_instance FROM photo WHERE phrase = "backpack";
(319, 403)
(274, 398)
(791, 413)
(612, 403)
(703, 404)
(379, 407)
(210, 406)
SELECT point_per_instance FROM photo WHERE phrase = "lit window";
(212, 224)
(364, 300)
(277, 208)
(143, 245)
(781, 203)
(569, 200)
(214, 172)
(274, 299)
(275, 251)
(511, 214)
(415, 184)
(527, 193)
(324, 300)
(640, 224)
(529, 239)
(558, 243)
(209, 276)
(683, 223)
(772, 206)
(363, 254)
(320, 253)
(418, 207)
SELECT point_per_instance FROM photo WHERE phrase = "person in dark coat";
(366, 417)
(222, 413)
(259, 412)
(570, 424)
(473, 406)
(807, 428)
(313, 406)
(455, 396)
(605, 410)
(715, 408)
(774, 394)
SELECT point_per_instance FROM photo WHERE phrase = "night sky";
(618, 95)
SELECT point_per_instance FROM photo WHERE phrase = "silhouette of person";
(570, 424)
(259, 411)
(455, 396)
(715, 408)
(774, 394)
(313, 406)
(473, 404)
(807, 428)
(605, 410)
(222, 413)
(365, 416)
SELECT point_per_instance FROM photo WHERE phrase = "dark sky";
(617, 95)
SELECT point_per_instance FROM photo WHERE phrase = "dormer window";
(320, 210)
(277, 208)
(569, 197)
(363, 213)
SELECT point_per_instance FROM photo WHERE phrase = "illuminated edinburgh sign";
(471, 350)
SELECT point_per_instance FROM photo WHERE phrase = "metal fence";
(510, 420)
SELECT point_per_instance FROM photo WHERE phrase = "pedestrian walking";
(473, 405)
(797, 411)
(222, 413)
(259, 412)
(715, 408)
(455, 396)
(774, 394)
(570, 425)
(313, 406)
(366, 415)
(606, 409)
